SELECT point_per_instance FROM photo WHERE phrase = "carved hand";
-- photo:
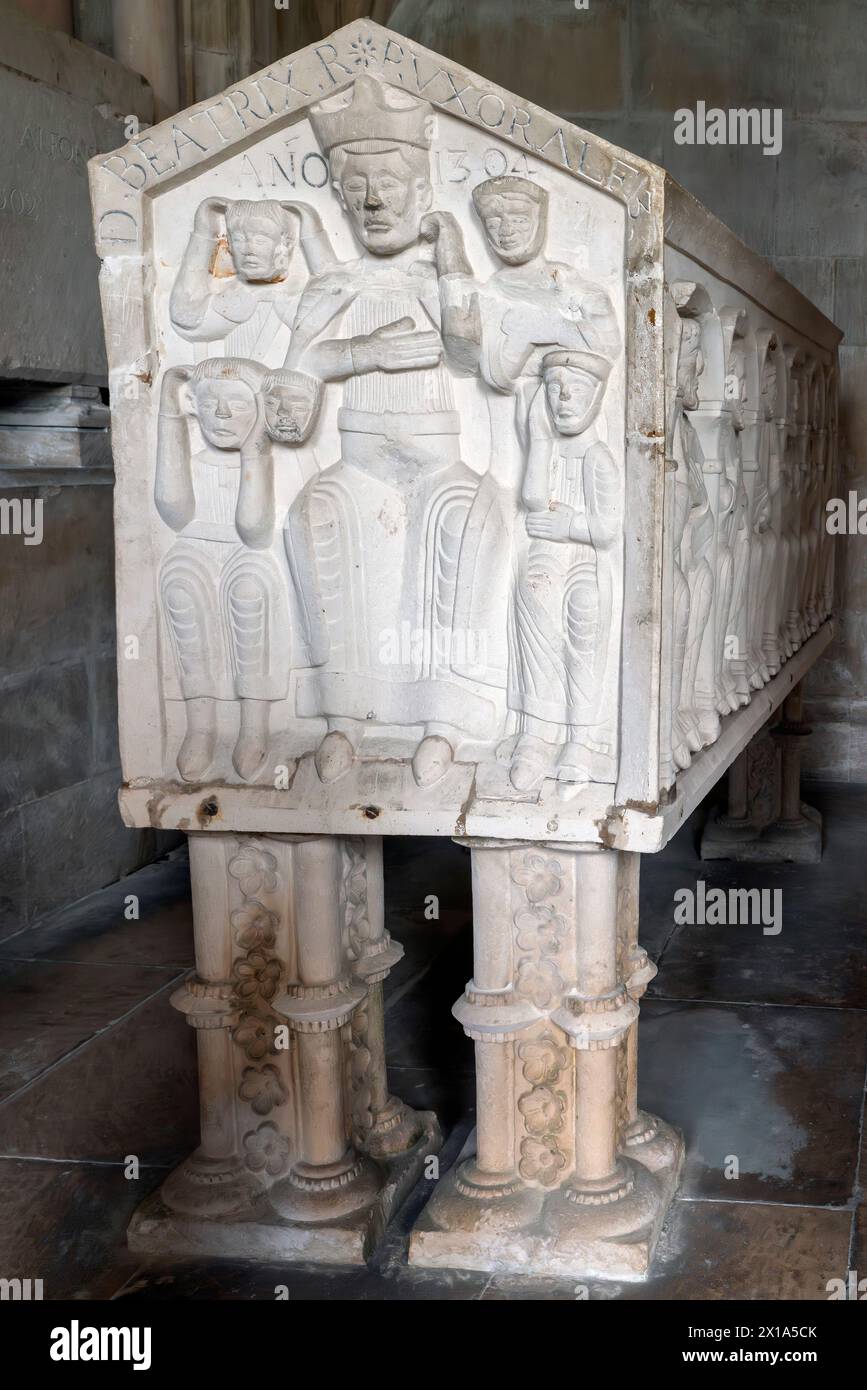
(539, 325)
(255, 445)
(553, 524)
(207, 217)
(307, 216)
(396, 347)
(170, 394)
(443, 230)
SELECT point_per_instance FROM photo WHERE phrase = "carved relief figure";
(693, 531)
(502, 329)
(532, 302)
(222, 596)
(246, 304)
(566, 609)
(733, 537)
(790, 494)
(374, 541)
(810, 514)
(764, 550)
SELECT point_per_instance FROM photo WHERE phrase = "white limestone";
(455, 496)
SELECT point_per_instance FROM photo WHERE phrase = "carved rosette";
(545, 1110)
(256, 978)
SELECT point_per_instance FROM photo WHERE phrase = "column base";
(558, 1237)
(260, 1233)
(782, 842)
(211, 1188)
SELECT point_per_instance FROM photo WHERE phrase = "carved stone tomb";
(470, 482)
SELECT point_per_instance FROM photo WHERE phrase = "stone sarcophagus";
(470, 482)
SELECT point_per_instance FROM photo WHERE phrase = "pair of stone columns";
(767, 773)
(304, 1154)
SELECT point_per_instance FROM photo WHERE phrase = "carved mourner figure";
(248, 311)
(218, 578)
(375, 539)
(503, 329)
(763, 556)
(692, 540)
(528, 306)
(733, 535)
(567, 587)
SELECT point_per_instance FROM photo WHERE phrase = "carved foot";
(251, 748)
(531, 763)
(432, 760)
(334, 756)
(196, 754)
(572, 764)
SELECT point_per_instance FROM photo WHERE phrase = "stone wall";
(61, 835)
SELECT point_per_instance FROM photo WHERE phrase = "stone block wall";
(61, 835)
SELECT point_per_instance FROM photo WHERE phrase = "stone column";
(494, 1017)
(303, 1153)
(213, 1181)
(797, 834)
(145, 39)
(555, 1186)
(328, 1178)
(596, 1016)
(383, 1125)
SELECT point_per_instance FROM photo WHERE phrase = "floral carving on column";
(266, 1150)
(543, 1110)
(256, 975)
(356, 933)
(539, 930)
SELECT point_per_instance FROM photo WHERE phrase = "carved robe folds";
(470, 482)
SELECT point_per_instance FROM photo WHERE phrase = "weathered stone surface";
(56, 701)
(49, 302)
(90, 846)
(59, 595)
(815, 277)
(850, 299)
(792, 54)
(531, 48)
(816, 153)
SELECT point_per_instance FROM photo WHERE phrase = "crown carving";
(374, 112)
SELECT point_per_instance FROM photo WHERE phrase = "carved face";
(260, 248)
(514, 226)
(574, 398)
(384, 198)
(226, 411)
(291, 403)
